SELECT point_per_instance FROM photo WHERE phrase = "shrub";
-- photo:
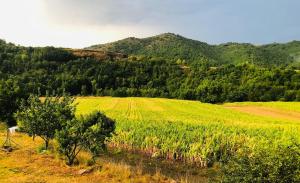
(89, 133)
(267, 163)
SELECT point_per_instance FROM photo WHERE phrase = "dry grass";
(25, 164)
(267, 111)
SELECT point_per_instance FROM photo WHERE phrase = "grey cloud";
(116, 11)
(213, 21)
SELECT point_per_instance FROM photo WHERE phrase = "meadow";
(194, 132)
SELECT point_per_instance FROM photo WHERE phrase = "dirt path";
(266, 111)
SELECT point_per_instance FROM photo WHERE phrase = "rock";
(7, 148)
(155, 155)
(85, 171)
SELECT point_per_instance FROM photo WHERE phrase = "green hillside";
(169, 46)
(174, 47)
(291, 48)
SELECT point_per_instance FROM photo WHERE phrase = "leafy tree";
(89, 133)
(10, 97)
(43, 117)
(52, 54)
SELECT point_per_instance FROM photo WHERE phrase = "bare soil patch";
(266, 111)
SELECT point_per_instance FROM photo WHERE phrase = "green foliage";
(175, 47)
(52, 54)
(265, 163)
(173, 67)
(168, 46)
(43, 118)
(10, 97)
(89, 133)
(237, 53)
(98, 129)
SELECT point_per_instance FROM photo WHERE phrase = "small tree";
(89, 133)
(10, 97)
(43, 118)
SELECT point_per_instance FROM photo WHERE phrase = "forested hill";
(180, 49)
(52, 71)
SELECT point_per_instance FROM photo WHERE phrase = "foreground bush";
(89, 133)
(266, 163)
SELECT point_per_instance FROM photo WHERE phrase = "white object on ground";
(13, 129)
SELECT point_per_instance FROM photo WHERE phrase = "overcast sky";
(80, 23)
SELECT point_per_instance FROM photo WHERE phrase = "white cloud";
(36, 23)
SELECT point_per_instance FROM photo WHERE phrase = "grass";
(25, 164)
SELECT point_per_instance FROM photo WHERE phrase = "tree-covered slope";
(174, 47)
(54, 71)
(237, 53)
(168, 46)
(291, 48)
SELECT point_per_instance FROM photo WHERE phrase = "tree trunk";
(46, 144)
(70, 160)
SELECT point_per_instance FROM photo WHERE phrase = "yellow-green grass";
(2, 127)
(190, 130)
(24, 164)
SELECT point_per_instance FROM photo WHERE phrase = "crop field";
(196, 132)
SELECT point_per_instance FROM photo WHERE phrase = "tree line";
(55, 71)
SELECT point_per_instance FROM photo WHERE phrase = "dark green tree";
(10, 98)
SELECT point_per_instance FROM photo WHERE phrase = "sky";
(81, 23)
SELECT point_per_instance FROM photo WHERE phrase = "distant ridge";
(173, 47)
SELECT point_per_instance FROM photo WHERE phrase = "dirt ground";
(25, 165)
(265, 111)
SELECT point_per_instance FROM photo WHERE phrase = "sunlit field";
(194, 131)
(157, 109)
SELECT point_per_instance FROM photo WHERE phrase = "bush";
(89, 133)
(267, 163)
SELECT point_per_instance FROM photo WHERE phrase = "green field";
(190, 130)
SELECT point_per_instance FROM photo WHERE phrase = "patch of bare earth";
(266, 111)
